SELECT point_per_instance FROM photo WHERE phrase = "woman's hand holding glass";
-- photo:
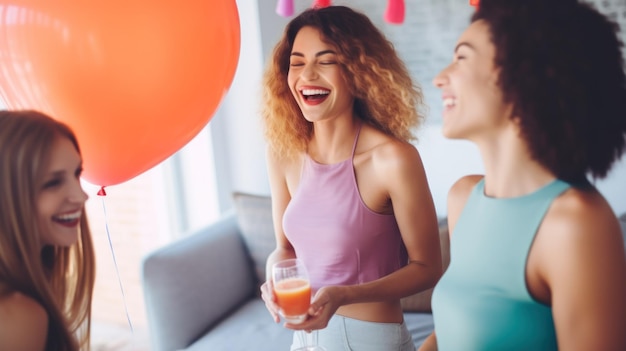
(284, 273)
(289, 294)
(267, 294)
(292, 289)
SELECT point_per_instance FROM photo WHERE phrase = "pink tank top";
(340, 240)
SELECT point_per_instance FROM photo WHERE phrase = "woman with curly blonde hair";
(47, 261)
(350, 196)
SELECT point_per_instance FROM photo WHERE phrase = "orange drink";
(294, 296)
(292, 289)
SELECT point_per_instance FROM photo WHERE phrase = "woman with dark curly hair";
(350, 196)
(537, 255)
(47, 261)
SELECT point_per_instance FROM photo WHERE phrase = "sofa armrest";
(192, 283)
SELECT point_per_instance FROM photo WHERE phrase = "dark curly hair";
(561, 66)
(385, 95)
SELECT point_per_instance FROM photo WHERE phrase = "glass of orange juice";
(292, 289)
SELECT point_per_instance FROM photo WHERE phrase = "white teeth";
(69, 216)
(307, 92)
(449, 102)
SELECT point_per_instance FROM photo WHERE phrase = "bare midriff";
(379, 312)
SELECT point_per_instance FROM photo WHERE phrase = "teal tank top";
(482, 301)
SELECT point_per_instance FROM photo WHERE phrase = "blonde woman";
(350, 196)
(47, 263)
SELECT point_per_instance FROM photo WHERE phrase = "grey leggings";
(347, 334)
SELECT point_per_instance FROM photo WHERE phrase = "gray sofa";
(202, 292)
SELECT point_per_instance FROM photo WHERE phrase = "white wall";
(239, 147)
(445, 161)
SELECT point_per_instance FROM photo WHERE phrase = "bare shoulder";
(583, 263)
(275, 160)
(586, 217)
(283, 171)
(398, 167)
(389, 152)
(460, 190)
(390, 173)
(582, 223)
(23, 323)
(457, 197)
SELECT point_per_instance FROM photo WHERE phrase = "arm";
(394, 176)
(399, 169)
(23, 323)
(280, 198)
(581, 259)
(430, 344)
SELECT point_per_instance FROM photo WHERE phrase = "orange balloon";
(135, 79)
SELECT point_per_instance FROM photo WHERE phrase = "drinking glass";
(292, 289)
(309, 340)
(293, 295)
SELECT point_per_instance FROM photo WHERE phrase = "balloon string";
(117, 271)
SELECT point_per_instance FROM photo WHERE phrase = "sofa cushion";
(187, 287)
(254, 216)
(249, 328)
(420, 302)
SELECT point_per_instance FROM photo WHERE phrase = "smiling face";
(315, 78)
(61, 197)
(473, 101)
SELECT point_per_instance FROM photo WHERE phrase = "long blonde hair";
(61, 279)
(385, 95)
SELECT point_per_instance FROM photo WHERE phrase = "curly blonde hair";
(385, 95)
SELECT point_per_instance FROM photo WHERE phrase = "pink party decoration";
(284, 8)
(320, 3)
(395, 12)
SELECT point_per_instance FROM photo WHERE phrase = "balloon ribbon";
(117, 271)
